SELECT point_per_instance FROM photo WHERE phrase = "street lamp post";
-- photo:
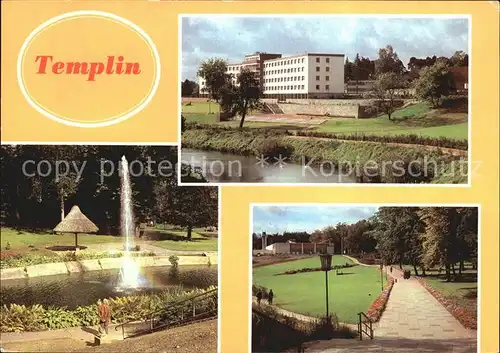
(382, 276)
(326, 265)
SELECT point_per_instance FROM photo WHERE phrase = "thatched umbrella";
(76, 222)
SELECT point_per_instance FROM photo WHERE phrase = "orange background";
(158, 123)
(108, 95)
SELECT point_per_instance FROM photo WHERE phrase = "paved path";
(412, 312)
(394, 345)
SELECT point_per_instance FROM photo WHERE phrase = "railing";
(193, 309)
(365, 326)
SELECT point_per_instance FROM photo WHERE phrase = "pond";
(86, 288)
(230, 168)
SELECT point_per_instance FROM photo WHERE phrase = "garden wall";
(340, 110)
(58, 268)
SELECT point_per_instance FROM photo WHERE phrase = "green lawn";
(418, 119)
(415, 119)
(175, 239)
(305, 292)
(22, 241)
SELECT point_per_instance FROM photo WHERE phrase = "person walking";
(259, 296)
(104, 316)
(270, 297)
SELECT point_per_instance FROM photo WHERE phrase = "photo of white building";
(307, 75)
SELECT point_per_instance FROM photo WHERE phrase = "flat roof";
(307, 54)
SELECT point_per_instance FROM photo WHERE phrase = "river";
(220, 167)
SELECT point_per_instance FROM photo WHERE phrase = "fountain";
(129, 277)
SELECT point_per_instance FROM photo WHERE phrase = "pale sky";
(278, 219)
(232, 37)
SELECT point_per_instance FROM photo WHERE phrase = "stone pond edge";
(57, 268)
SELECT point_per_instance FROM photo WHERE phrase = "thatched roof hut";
(76, 222)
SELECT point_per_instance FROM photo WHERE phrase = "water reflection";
(86, 288)
(224, 167)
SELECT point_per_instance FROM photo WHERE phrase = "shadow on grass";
(464, 278)
(157, 235)
(65, 248)
(22, 230)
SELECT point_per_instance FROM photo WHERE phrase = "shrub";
(23, 260)
(7, 246)
(18, 318)
(274, 148)
(174, 260)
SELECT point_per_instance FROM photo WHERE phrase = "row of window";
(282, 88)
(284, 62)
(291, 62)
(285, 79)
(292, 78)
(292, 88)
(291, 70)
(284, 71)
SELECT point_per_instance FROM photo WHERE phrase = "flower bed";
(378, 306)
(468, 318)
(315, 269)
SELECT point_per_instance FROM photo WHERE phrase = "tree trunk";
(447, 267)
(415, 269)
(423, 271)
(244, 114)
(460, 268)
(62, 208)
(400, 265)
(76, 241)
(189, 231)
(453, 270)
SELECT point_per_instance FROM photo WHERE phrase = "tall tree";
(459, 58)
(348, 70)
(240, 98)
(388, 62)
(434, 84)
(189, 207)
(440, 239)
(188, 88)
(384, 92)
(214, 72)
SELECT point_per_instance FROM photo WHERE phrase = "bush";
(23, 260)
(174, 261)
(7, 246)
(19, 318)
(406, 274)
(274, 148)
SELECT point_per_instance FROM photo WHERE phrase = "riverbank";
(57, 268)
(368, 161)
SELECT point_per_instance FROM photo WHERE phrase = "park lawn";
(178, 241)
(22, 241)
(201, 107)
(417, 119)
(304, 293)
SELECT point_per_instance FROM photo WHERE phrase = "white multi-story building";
(309, 75)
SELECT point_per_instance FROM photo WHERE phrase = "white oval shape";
(76, 14)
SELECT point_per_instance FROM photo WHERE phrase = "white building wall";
(286, 75)
(326, 74)
(301, 74)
